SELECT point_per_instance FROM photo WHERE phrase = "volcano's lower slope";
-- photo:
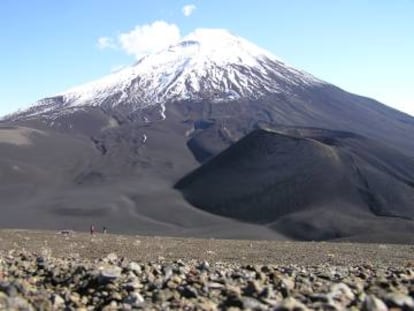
(57, 178)
(126, 170)
(114, 170)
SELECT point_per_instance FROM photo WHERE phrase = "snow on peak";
(208, 64)
(211, 36)
(213, 40)
(220, 46)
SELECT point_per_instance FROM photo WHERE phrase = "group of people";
(92, 229)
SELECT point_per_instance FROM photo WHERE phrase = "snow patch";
(162, 111)
(189, 132)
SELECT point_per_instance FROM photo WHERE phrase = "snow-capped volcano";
(215, 123)
(210, 64)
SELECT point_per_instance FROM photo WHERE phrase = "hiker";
(104, 230)
(92, 229)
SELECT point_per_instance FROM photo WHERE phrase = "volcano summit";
(208, 64)
(212, 136)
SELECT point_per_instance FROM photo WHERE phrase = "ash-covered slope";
(308, 183)
(55, 180)
(110, 151)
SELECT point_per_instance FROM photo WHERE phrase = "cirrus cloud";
(188, 9)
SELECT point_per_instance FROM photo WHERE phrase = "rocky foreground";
(38, 272)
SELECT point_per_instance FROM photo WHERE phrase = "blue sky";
(48, 46)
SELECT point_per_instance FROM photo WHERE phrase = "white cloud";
(144, 39)
(106, 43)
(188, 9)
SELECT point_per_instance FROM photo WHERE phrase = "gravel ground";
(53, 271)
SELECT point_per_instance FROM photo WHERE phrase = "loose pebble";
(32, 282)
